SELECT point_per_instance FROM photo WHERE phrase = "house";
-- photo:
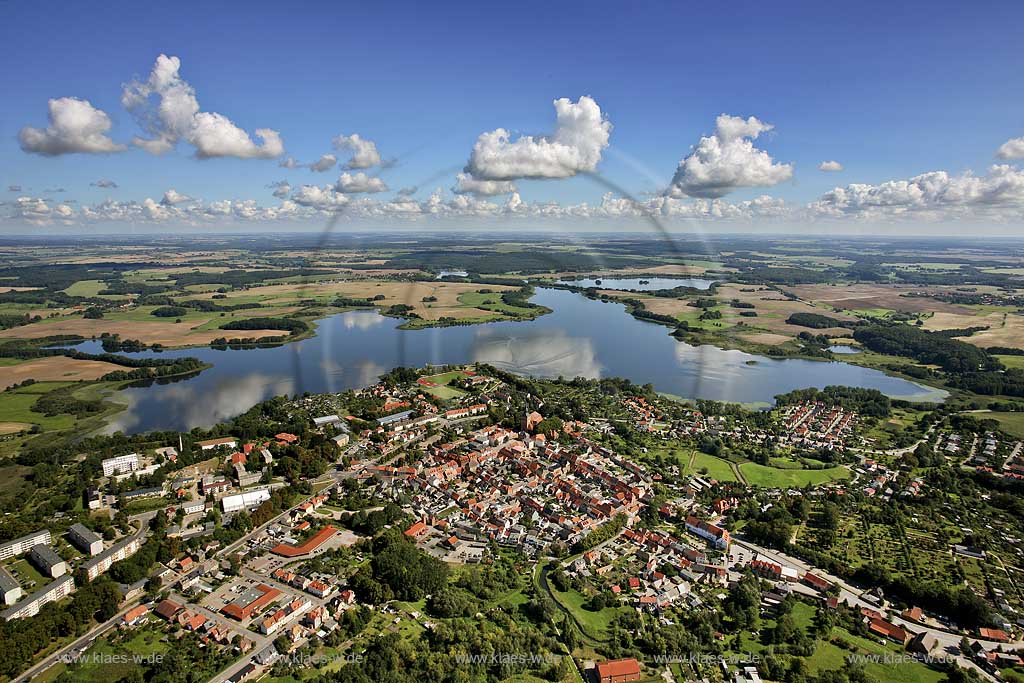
(816, 582)
(531, 420)
(715, 535)
(416, 530)
(135, 616)
(320, 589)
(212, 486)
(167, 609)
(115, 553)
(923, 643)
(887, 630)
(618, 671)
(995, 634)
(913, 614)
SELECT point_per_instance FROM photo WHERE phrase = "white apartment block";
(120, 464)
(52, 592)
(115, 553)
(20, 546)
(85, 539)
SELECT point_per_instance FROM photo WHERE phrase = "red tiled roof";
(618, 667)
(167, 609)
(134, 614)
(416, 529)
(285, 550)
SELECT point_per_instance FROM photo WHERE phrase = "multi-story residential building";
(48, 561)
(85, 539)
(108, 557)
(30, 606)
(715, 535)
(120, 464)
(10, 589)
(20, 546)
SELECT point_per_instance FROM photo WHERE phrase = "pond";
(581, 337)
(844, 349)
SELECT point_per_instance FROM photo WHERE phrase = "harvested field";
(669, 269)
(1005, 328)
(13, 427)
(1009, 334)
(954, 321)
(871, 296)
(54, 369)
(165, 333)
(413, 293)
(766, 338)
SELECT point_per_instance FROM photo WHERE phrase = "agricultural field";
(1011, 423)
(54, 369)
(868, 298)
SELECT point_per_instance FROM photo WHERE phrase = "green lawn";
(86, 288)
(716, 468)
(106, 661)
(1011, 423)
(1012, 361)
(28, 576)
(828, 656)
(16, 406)
(444, 392)
(489, 302)
(760, 475)
(704, 465)
(595, 624)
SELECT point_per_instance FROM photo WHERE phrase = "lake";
(582, 337)
(640, 284)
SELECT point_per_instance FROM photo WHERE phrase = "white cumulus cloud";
(166, 107)
(172, 197)
(830, 166)
(998, 194)
(75, 126)
(728, 160)
(364, 152)
(282, 188)
(1011, 149)
(467, 184)
(352, 183)
(325, 163)
(581, 135)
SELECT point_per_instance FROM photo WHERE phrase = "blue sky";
(889, 90)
